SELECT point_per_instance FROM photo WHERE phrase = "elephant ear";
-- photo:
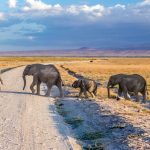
(28, 67)
(82, 83)
(79, 83)
(118, 80)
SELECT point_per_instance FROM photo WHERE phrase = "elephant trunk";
(108, 90)
(24, 79)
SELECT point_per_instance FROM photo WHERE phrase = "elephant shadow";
(14, 92)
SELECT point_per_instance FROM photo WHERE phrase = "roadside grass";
(74, 122)
(60, 109)
(146, 111)
(91, 135)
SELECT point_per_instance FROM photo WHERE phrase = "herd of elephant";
(128, 85)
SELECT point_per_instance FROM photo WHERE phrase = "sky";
(71, 24)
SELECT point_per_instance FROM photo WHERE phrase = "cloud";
(21, 30)
(145, 2)
(30, 37)
(2, 16)
(36, 5)
(120, 6)
(12, 3)
(95, 10)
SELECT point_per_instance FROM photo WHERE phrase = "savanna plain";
(99, 123)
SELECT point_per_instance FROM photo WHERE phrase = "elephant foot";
(117, 98)
(33, 91)
(38, 94)
(144, 101)
(47, 95)
(137, 100)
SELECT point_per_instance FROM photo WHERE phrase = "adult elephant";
(47, 74)
(128, 84)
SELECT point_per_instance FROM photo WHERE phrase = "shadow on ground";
(99, 127)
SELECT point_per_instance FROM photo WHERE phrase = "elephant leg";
(126, 96)
(38, 87)
(59, 85)
(35, 81)
(80, 93)
(137, 97)
(144, 96)
(92, 94)
(119, 93)
(49, 86)
(85, 93)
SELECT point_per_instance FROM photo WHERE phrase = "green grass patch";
(96, 146)
(91, 136)
(74, 122)
(60, 109)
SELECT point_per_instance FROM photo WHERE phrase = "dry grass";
(8, 62)
(102, 69)
(67, 79)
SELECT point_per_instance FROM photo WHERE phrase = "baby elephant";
(85, 86)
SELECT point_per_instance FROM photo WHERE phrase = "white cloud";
(36, 5)
(30, 37)
(12, 3)
(95, 10)
(2, 16)
(120, 6)
(145, 2)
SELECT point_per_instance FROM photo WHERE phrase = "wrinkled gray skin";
(114, 80)
(47, 74)
(85, 86)
(128, 84)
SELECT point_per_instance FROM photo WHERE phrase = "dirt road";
(29, 122)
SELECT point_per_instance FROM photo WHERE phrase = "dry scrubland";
(99, 69)
(8, 62)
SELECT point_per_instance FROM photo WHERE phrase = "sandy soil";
(30, 122)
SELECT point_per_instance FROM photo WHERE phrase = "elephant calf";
(85, 86)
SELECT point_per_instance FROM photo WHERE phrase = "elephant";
(114, 80)
(86, 85)
(47, 74)
(128, 84)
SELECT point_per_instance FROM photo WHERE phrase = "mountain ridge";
(84, 51)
